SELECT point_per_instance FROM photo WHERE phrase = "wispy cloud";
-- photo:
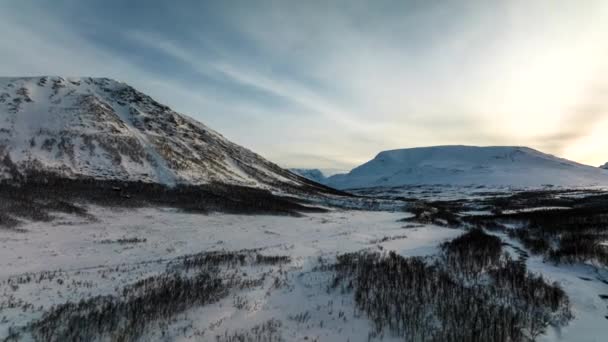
(337, 82)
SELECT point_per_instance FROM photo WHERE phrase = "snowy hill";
(312, 174)
(101, 128)
(468, 165)
(605, 166)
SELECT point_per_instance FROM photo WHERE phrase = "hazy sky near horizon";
(329, 84)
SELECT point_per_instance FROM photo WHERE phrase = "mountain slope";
(104, 129)
(468, 165)
(605, 166)
(313, 174)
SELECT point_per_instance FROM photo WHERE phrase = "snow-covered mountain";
(605, 166)
(312, 174)
(468, 165)
(101, 128)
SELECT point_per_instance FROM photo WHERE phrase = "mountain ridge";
(517, 166)
(105, 129)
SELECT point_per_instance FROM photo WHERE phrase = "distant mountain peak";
(517, 166)
(315, 175)
(105, 129)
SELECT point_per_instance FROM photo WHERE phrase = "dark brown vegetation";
(576, 233)
(265, 332)
(566, 226)
(124, 241)
(124, 318)
(189, 281)
(473, 292)
(442, 213)
(40, 196)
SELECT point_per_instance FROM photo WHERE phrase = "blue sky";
(330, 83)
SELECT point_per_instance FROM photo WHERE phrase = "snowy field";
(450, 192)
(70, 258)
(78, 259)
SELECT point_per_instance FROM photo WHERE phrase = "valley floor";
(72, 258)
(587, 293)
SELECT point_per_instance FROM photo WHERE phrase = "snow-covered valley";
(282, 282)
(72, 259)
(122, 220)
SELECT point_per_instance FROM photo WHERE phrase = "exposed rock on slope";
(103, 129)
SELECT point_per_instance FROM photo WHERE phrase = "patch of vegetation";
(441, 213)
(189, 281)
(204, 260)
(124, 318)
(576, 234)
(387, 238)
(473, 253)
(473, 292)
(124, 241)
(43, 194)
(8, 222)
(268, 331)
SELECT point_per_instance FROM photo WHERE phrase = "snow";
(584, 284)
(73, 246)
(510, 166)
(312, 174)
(101, 128)
(75, 249)
(105, 129)
(584, 289)
(532, 209)
(164, 174)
